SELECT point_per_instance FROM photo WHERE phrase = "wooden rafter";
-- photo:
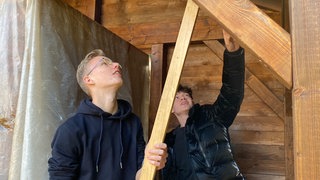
(256, 31)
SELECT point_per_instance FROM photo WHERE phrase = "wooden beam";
(156, 82)
(305, 34)
(171, 84)
(253, 82)
(265, 94)
(158, 21)
(254, 30)
(166, 32)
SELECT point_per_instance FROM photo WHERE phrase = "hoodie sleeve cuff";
(235, 53)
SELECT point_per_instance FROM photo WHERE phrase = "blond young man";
(104, 139)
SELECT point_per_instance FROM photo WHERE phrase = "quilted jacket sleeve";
(231, 94)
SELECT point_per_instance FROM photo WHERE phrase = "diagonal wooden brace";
(171, 84)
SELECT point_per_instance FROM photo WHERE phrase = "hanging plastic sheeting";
(43, 42)
(12, 47)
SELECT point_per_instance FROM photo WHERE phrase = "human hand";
(157, 155)
(230, 42)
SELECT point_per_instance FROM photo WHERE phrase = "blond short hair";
(82, 68)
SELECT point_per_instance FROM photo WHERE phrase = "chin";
(120, 83)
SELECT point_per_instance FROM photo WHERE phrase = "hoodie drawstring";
(121, 152)
(99, 145)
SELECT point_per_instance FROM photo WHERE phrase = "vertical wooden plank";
(156, 82)
(98, 11)
(288, 136)
(171, 84)
(285, 15)
(305, 35)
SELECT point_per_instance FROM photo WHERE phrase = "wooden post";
(305, 35)
(171, 84)
(156, 79)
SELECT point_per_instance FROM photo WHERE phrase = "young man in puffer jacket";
(199, 149)
(104, 139)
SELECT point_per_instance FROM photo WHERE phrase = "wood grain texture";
(257, 137)
(262, 167)
(305, 32)
(288, 141)
(171, 84)
(264, 93)
(157, 71)
(256, 31)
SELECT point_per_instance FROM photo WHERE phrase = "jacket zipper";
(201, 148)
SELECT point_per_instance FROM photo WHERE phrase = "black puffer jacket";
(208, 142)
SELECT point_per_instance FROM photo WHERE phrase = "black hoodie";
(94, 145)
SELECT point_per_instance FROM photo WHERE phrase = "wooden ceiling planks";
(144, 23)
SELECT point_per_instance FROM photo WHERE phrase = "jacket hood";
(87, 107)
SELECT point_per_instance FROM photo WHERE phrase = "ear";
(88, 80)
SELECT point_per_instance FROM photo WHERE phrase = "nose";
(117, 65)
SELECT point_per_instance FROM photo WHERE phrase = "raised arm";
(231, 94)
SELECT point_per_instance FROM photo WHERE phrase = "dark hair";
(185, 89)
